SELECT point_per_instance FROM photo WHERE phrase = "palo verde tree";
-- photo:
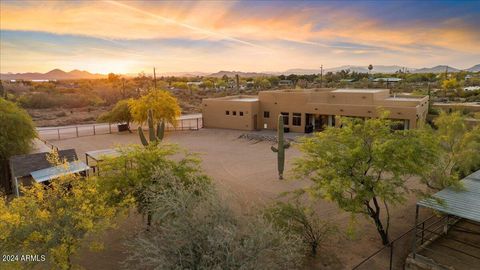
(459, 151)
(16, 134)
(119, 114)
(125, 178)
(363, 166)
(54, 220)
(163, 105)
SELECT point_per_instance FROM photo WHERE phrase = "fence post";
(423, 230)
(94, 130)
(110, 128)
(58, 132)
(181, 124)
(391, 255)
(197, 124)
(76, 128)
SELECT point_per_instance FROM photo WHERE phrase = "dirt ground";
(54, 117)
(246, 172)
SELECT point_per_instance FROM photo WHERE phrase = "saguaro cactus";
(280, 149)
(154, 137)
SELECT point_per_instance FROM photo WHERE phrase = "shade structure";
(464, 202)
(98, 155)
(58, 171)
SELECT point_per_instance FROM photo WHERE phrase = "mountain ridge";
(54, 74)
(58, 74)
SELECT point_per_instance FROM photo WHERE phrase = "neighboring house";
(387, 80)
(285, 83)
(27, 168)
(471, 88)
(310, 110)
(194, 83)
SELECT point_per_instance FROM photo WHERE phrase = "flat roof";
(405, 98)
(58, 171)
(464, 203)
(244, 99)
(359, 90)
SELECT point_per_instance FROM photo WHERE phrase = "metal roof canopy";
(58, 171)
(98, 155)
(464, 203)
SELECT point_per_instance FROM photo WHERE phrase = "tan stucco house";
(310, 110)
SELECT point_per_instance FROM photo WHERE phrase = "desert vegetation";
(82, 101)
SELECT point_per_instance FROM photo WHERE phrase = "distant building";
(387, 80)
(285, 83)
(309, 110)
(194, 83)
(471, 88)
(347, 80)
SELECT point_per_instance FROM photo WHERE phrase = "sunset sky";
(131, 36)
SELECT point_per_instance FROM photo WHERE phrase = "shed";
(21, 166)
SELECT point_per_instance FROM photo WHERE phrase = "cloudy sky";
(175, 36)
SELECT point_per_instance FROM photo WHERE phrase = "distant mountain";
(436, 69)
(240, 73)
(475, 68)
(55, 74)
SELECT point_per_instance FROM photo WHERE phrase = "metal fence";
(393, 255)
(67, 132)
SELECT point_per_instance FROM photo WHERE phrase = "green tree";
(119, 114)
(459, 147)
(16, 134)
(126, 177)
(163, 105)
(363, 165)
(54, 220)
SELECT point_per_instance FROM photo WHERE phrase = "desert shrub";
(194, 229)
(38, 101)
(298, 219)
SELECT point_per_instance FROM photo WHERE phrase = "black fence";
(393, 255)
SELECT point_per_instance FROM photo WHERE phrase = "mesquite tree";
(363, 166)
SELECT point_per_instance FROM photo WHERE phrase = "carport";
(454, 239)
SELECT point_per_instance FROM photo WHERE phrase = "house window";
(227, 112)
(234, 112)
(285, 117)
(241, 113)
(297, 119)
(266, 114)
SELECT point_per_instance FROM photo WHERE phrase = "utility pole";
(321, 76)
(154, 79)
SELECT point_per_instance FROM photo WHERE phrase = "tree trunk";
(375, 215)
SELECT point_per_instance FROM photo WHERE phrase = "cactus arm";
(142, 136)
(160, 130)
(274, 149)
(287, 145)
(151, 128)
